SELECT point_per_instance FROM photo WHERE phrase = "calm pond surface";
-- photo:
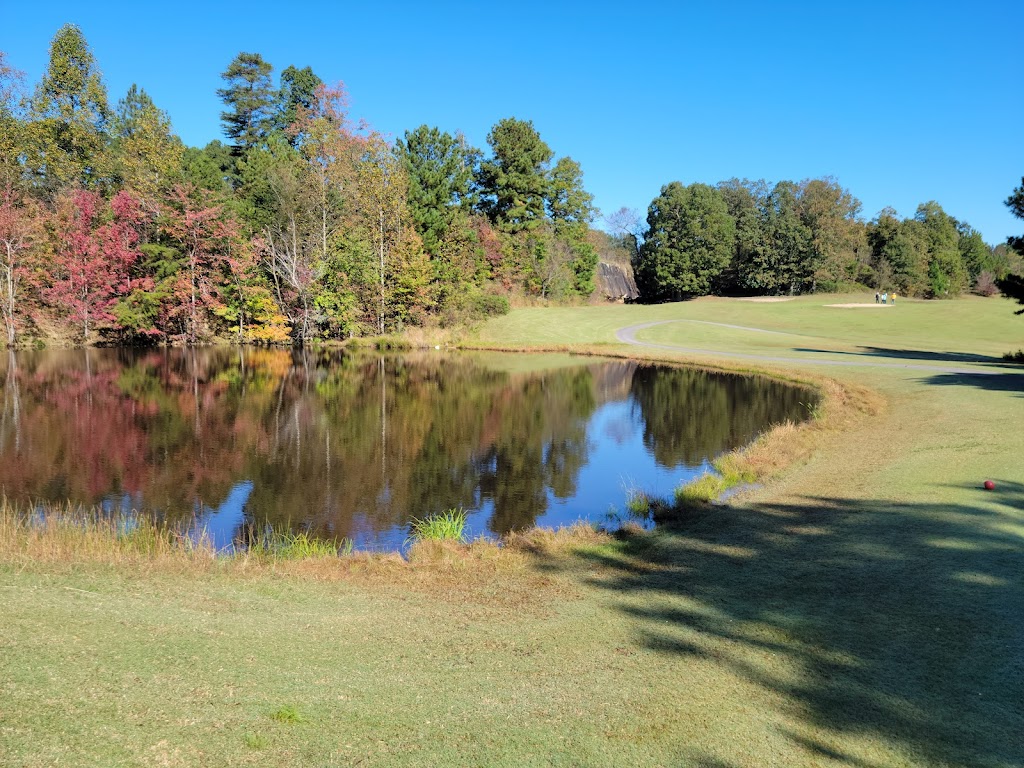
(355, 445)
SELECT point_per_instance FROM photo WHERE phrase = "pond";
(355, 445)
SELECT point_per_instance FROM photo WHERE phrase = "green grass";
(704, 489)
(287, 714)
(447, 526)
(284, 544)
(860, 608)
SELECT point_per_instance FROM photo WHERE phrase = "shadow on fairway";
(1003, 382)
(913, 354)
(895, 623)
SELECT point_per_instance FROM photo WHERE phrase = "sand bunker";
(765, 299)
(856, 306)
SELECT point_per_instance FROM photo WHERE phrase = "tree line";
(306, 224)
(742, 237)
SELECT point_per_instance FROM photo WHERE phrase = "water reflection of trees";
(337, 442)
(691, 415)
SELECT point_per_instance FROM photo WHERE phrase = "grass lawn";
(863, 608)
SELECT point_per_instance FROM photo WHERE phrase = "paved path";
(628, 334)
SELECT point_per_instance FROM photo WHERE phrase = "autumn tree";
(291, 244)
(206, 237)
(399, 272)
(19, 234)
(95, 248)
(298, 92)
(324, 201)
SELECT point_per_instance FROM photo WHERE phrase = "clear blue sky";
(903, 102)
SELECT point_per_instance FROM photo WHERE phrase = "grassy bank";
(861, 608)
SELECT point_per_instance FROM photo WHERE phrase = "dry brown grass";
(493, 576)
(560, 542)
(69, 535)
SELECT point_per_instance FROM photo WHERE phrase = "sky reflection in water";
(342, 445)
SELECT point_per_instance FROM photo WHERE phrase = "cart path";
(628, 334)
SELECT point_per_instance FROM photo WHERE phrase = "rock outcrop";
(614, 282)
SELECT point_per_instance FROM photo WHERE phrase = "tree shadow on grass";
(915, 354)
(895, 624)
(1004, 382)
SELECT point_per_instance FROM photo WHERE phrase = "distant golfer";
(892, 299)
(877, 297)
(885, 298)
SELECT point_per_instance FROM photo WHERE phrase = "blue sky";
(902, 102)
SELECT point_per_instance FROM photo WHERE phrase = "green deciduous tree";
(148, 156)
(830, 214)
(974, 252)
(12, 122)
(66, 141)
(899, 253)
(571, 209)
(689, 241)
(946, 273)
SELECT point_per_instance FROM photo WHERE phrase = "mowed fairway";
(865, 608)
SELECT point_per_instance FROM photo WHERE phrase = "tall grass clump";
(638, 502)
(270, 543)
(703, 490)
(447, 526)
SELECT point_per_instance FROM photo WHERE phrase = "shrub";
(985, 285)
(490, 305)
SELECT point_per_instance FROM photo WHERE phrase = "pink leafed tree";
(96, 247)
(207, 236)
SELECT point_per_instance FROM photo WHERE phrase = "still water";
(355, 445)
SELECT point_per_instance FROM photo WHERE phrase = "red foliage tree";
(208, 238)
(94, 252)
